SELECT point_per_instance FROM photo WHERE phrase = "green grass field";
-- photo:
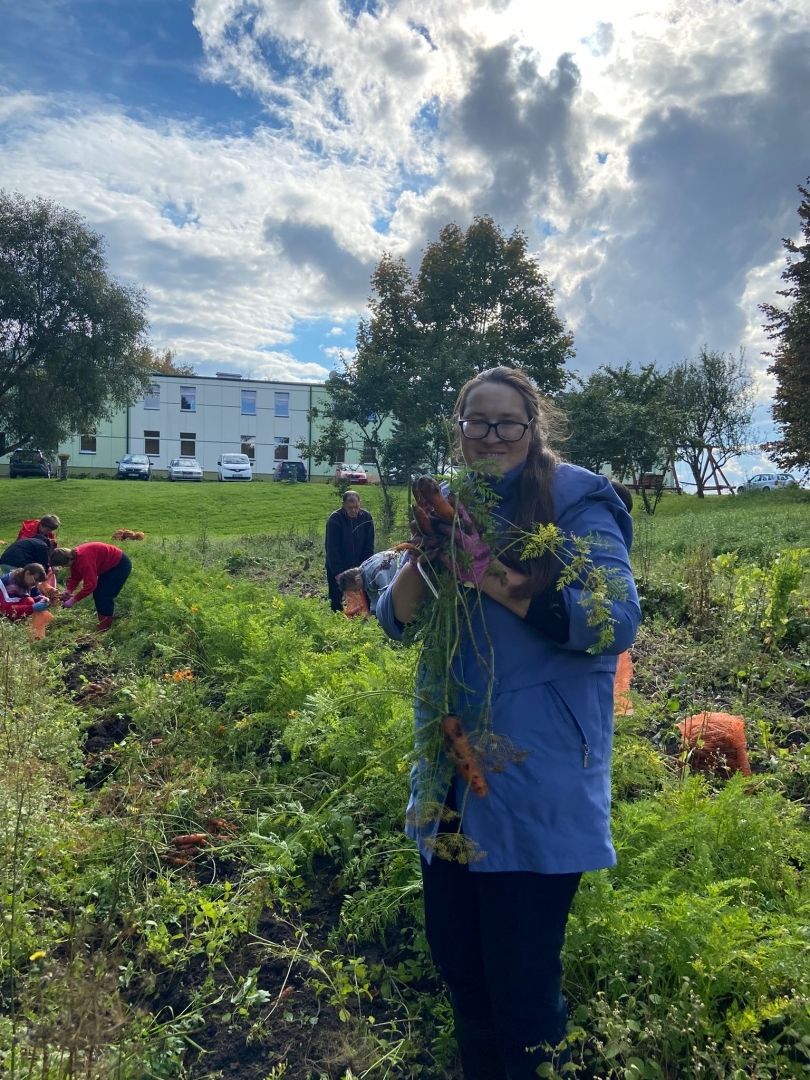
(94, 509)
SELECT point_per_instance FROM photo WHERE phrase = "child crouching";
(19, 595)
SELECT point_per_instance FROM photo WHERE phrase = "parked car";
(234, 467)
(290, 470)
(355, 474)
(185, 468)
(768, 482)
(29, 463)
(134, 467)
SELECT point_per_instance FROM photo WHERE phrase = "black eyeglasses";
(505, 430)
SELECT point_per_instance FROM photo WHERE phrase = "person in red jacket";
(101, 569)
(45, 526)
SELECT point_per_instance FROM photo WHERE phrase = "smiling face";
(495, 402)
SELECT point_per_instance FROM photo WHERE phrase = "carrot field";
(202, 866)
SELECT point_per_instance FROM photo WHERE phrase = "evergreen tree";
(789, 327)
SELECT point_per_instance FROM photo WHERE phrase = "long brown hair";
(35, 569)
(535, 499)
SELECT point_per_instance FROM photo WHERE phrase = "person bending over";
(101, 569)
(45, 526)
(33, 549)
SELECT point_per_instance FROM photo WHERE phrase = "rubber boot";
(104, 624)
(478, 1050)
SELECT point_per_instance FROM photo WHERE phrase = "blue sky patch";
(145, 56)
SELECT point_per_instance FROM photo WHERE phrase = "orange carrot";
(422, 520)
(463, 756)
(218, 824)
(427, 491)
(199, 839)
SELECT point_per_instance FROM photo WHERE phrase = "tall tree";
(479, 300)
(616, 416)
(70, 336)
(790, 328)
(710, 404)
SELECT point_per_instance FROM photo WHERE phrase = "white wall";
(218, 422)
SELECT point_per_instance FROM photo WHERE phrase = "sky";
(250, 161)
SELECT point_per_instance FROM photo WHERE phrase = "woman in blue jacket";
(496, 925)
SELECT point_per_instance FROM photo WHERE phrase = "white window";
(88, 444)
(282, 448)
(188, 444)
(188, 398)
(152, 399)
(282, 403)
(249, 446)
(248, 403)
(151, 443)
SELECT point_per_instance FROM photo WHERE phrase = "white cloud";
(652, 160)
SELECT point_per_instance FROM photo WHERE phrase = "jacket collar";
(505, 487)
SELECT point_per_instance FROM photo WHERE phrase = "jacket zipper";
(586, 750)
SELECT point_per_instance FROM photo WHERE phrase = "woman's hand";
(68, 601)
(476, 555)
(40, 605)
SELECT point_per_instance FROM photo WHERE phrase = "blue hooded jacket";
(549, 813)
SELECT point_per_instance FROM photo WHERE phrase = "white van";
(234, 467)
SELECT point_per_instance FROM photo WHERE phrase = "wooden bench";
(649, 482)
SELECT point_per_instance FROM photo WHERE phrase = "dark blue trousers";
(110, 585)
(496, 939)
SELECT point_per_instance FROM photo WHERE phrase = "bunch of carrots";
(431, 509)
(185, 848)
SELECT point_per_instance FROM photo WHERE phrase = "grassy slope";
(755, 525)
(94, 509)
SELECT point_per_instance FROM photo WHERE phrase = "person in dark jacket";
(349, 542)
(33, 549)
(496, 924)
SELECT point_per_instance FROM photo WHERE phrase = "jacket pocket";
(569, 714)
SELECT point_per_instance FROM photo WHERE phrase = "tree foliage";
(616, 416)
(638, 421)
(71, 337)
(708, 408)
(162, 361)
(790, 328)
(478, 300)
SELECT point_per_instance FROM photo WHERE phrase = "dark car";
(290, 470)
(134, 467)
(29, 463)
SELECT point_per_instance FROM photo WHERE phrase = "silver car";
(185, 468)
(768, 482)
